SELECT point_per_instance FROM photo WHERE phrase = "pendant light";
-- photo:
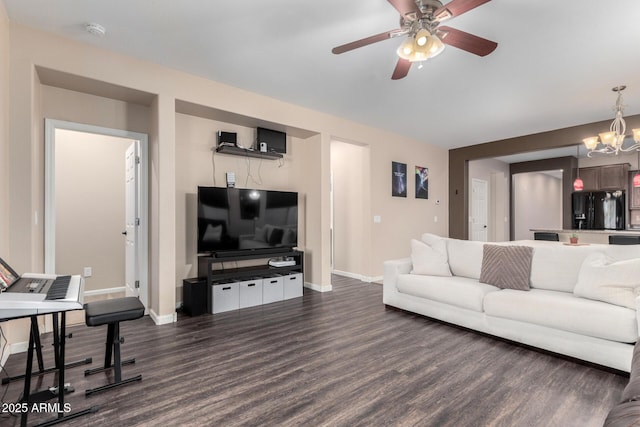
(636, 177)
(578, 185)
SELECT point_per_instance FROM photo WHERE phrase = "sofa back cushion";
(603, 279)
(430, 259)
(465, 257)
(556, 266)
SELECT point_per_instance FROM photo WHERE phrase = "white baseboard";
(104, 291)
(163, 320)
(18, 347)
(318, 288)
(356, 276)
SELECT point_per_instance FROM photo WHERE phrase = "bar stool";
(111, 312)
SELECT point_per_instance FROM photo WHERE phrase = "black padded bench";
(111, 312)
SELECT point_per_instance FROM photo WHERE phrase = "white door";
(479, 207)
(131, 220)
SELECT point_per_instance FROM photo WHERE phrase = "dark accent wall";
(460, 157)
(567, 164)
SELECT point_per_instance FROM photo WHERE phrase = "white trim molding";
(362, 278)
(163, 320)
(318, 288)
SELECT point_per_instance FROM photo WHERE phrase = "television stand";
(239, 287)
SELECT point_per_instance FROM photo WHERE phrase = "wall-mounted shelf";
(237, 151)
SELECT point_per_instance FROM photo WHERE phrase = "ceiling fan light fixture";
(436, 46)
(405, 50)
(422, 37)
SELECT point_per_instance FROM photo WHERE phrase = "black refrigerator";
(598, 210)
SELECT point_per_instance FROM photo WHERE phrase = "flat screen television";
(275, 140)
(232, 220)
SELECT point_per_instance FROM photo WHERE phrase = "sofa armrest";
(394, 268)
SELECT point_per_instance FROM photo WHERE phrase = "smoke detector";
(95, 29)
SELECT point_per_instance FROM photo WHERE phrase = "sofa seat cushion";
(457, 291)
(564, 311)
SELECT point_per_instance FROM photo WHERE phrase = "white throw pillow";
(603, 279)
(430, 260)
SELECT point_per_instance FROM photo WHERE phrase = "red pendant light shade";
(636, 177)
(578, 185)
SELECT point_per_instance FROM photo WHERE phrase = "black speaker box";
(194, 296)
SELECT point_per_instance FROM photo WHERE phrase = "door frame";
(51, 125)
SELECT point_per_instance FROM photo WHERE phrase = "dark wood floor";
(327, 359)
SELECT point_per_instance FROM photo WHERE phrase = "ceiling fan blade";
(456, 8)
(401, 70)
(364, 42)
(465, 41)
(406, 8)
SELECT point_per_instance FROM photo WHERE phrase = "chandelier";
(612, 142)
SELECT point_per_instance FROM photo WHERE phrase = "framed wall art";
(398, 179)
(422, 182)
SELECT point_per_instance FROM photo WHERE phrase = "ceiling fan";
(420, 21)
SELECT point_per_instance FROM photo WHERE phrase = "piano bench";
(111, 312)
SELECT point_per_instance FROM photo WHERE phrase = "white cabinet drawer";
(225, 297)
(272, 289)
(250, 293)
(292, 285)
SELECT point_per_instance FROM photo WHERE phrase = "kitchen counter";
(589, 236)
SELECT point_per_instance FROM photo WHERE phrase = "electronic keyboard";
(64, 293)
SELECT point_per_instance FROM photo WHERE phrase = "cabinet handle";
(273, 281)
(226, 288)
(251, 284)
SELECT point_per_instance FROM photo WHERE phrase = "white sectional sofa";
(581, 302)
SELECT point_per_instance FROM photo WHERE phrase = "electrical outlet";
(88, 272)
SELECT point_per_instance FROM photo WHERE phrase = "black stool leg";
(110, 340)
(113, 343)
(117, 363)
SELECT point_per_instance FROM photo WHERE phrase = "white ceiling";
(554, 67)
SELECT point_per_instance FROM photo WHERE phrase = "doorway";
(96, 198)
(350, 201)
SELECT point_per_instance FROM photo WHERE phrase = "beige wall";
(32, 50)
(90, 207)
(197, 165)
(537, 203)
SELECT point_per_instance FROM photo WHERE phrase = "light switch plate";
(231, 179)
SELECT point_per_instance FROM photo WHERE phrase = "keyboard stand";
(59, 356)
(38, 348)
